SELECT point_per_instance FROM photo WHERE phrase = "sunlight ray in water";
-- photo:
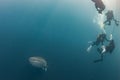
(100, 18)
(110, 4)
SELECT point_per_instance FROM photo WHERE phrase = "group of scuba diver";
(102, 38)
(99, 5)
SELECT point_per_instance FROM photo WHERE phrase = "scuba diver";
(99, 5)
(106, 49)
(110, 17)
(100, 39)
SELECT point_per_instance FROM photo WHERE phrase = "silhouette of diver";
(99, 5)
(105, 49)
(100, 39)
(110, 17)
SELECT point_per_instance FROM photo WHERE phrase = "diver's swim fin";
(99, 60)
(89, 48)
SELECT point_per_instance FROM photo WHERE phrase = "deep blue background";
(58, 31)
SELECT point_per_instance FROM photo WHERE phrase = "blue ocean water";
(57, 30)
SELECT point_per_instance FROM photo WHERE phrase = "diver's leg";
(94, 43)
(90, 47)
(105, 22)
(97, 42)
(109, 22)
(116, 22)
(99, 60)
(99, 50)
(102, 57)
(102, 43)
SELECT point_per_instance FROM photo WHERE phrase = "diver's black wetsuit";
(99, 5)
(109, 48)
(100, 39)
(110, 17)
